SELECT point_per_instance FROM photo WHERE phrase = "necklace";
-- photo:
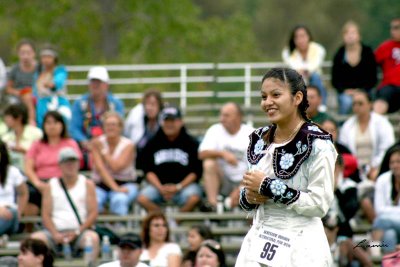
(290, 136)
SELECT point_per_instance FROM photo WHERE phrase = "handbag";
(100, 230)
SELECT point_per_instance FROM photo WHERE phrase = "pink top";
(45, 157)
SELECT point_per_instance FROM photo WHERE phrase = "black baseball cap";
(130, 240)
(171, 112)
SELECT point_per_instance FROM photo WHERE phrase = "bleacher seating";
(199, 115)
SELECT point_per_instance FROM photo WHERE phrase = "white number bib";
(272, 247)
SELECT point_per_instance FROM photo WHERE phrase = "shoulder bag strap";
(70, 201)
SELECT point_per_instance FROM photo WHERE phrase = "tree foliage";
(154, 31)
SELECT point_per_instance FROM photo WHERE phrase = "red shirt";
(387, 55)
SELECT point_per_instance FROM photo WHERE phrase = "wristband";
(243, 203)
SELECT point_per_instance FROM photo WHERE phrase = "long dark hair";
(292, 45)
(216, 248)
(38, 247)
(295, 82)
(395, 192)
(4, 163)
(203, 230)
(156, 94)
(59, 118)
(146, 227)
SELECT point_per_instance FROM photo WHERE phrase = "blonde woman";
(113, 169)
(353, 67)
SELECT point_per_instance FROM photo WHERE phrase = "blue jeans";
(390, 225)
(180, 198)
(119, 202)
(9, 226)
(315, 80)
(345, 103)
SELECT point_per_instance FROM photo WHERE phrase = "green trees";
(154, 31)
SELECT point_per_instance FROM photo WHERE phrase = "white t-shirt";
(117, 264)
(161, 259)
(218, 138)
(8, 191)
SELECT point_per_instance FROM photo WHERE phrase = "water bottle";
(220, 204)
(106, 249)
(88, 251)
(67, 250)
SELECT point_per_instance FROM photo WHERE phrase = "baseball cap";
(67, 153)
(171, 113)
(99, 73)
(49, 52)
(130, 240)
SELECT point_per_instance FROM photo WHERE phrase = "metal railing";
(244, 75)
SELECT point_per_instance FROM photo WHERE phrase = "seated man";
(129, 248)
(223, 152)
(87, 111)
(172, 167)
(60, 219)
(314, 101)
(387, 56)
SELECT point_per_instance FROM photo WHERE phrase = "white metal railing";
(183, 77)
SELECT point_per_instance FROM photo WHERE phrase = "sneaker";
(207, 207)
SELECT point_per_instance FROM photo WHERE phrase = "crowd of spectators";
(150, 158)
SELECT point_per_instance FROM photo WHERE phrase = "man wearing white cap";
(88, 110)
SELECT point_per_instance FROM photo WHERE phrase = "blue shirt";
(85, 117)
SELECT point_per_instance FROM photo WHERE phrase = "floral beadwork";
(278, 187)
(288, 158)
(286, 161)
(259, 146)
(278, 191)
(314, 128)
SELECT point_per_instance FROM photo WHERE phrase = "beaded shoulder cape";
(288, 158)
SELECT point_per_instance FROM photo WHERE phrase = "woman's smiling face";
(277, 101)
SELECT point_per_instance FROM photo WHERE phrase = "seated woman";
(34, 253)
(113, 169)
(49, 86)
(158, 250)
(196, 235)
(41, 159)
(306, 57)
(386, 227)
(367, 134)
(210, 254)
(143, 122)
(353, 67)
(21, 135)
(12, 184)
